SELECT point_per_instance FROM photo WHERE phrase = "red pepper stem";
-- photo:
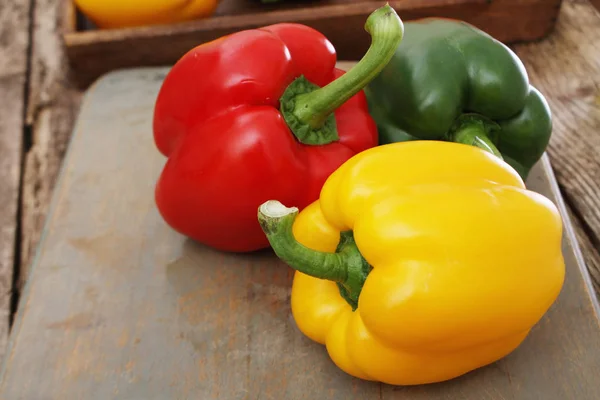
(308, 110)
(346, 266)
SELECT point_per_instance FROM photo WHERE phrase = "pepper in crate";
(256, 115)
(113, 14)
(421, 261)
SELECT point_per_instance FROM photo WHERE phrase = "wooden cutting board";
(118, 306)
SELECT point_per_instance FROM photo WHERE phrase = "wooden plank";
(52, 107)
(590, 251)
(14, 42)
(566, 68)
(128, 309)
(95, 52)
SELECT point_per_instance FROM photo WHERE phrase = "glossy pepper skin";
(450, 81)
(110, 14)
(243, 120)
(445, 258)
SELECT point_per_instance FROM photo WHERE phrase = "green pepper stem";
(475, 131)
(308, 110)
(475, 136)
(346, 266)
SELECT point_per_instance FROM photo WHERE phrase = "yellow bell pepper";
(420, 262)
(130, 13)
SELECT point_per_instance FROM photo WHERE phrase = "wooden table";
(38, 106)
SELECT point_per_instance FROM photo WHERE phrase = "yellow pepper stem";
(346, 266)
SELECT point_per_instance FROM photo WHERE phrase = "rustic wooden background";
(38, 105)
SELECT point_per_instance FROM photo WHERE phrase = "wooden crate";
(93, 52)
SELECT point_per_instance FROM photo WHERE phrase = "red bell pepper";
(257, 115)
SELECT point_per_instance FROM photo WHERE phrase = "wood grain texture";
(596, 3)
(129, 309)
(92, 53)
(52, 107)
(14, 44)
(566, 68)
(590, 252)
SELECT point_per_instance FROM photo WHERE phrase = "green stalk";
(346, 266)
(475, 131)
(308, 109)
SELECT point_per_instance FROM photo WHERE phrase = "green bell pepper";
(450, 81)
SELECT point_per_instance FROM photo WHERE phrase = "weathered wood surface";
(119, 306)
(14, 40)
(566, 68)
(52, 106)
